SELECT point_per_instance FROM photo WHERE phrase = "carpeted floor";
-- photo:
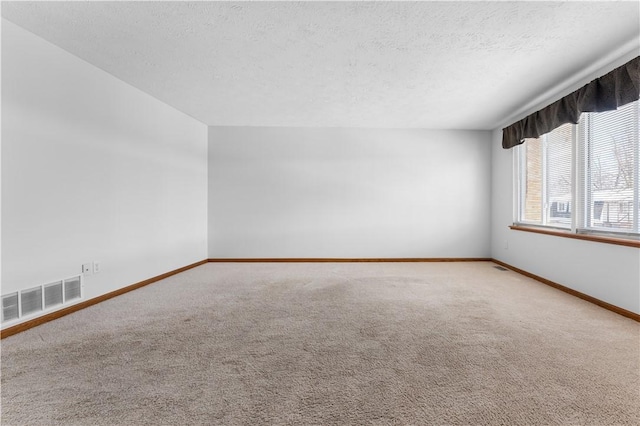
(352, 343)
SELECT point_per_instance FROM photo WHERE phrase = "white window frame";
(579, 214)
(519, 168)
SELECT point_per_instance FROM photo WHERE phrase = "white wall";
(607, 272)
(93, 169)
(339, 192)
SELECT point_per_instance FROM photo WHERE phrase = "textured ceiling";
(464, 65)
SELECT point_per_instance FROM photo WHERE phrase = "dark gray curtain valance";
(619, 87)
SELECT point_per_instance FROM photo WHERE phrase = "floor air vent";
(53, 294)
(42, 298)
(10, 307)
(72, 288)
(31, 300)
(500, 268)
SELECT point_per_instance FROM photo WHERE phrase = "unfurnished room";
(320, 213)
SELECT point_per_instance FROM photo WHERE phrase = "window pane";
(532, 208)
(612, 169)
(546, 188)
(558, 176)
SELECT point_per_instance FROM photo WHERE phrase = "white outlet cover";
(87, 268)
(96, 267)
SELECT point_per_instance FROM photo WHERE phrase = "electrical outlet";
(87, 268)
(506, 244)
(96, 267)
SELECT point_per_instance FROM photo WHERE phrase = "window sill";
(586, 237)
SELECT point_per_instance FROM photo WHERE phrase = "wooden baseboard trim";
(347, 260)
(602, 304)
(10, 331)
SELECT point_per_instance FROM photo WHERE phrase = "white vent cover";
(31, 300)
(72, 289)
(53, 294)
(10, 307)
(42, 298)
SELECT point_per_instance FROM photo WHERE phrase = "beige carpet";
(352, 344)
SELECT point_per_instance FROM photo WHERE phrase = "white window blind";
(610, 175)
(558, 199)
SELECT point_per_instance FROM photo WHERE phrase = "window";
(585, 177)
(545, 185)
(610, 174)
